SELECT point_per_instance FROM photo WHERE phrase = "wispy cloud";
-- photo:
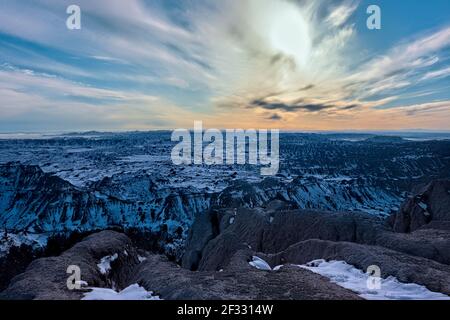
(341, 13)
(437, 74)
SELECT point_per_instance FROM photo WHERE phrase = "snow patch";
(105, 263)
(423, 206)
(133, 292)
(349, 277)
(260, 264)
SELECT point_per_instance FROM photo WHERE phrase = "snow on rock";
(351, 278)
(133, 292)
(37, 241)
(105, 263)
(81, 283)
(423, 206)
(260, 264)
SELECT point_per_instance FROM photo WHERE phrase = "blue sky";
(304, 65)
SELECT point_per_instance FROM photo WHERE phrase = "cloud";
(417, 54)
(424, 108)
(275, 117)
(340, 14)
(437, 74)
(302, 105)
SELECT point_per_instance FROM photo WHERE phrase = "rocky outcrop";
(406, 268)
(46, 278)
(271, 230)
(239, 282)
(286, 236)
(429, 205)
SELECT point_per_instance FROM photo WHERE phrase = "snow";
(260, 264)
(366, 286)
(105, 263)
(276, 268)
(423, 206)
(141, 259)
(34, 240)
(133, 292)
(349, 277)
(81, 283)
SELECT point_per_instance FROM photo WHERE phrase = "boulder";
(430, 204)
(46, 278)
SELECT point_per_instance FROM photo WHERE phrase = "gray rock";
(406, 268)
(431, 204)
(271, 231)
(242, 281)
(46, 278)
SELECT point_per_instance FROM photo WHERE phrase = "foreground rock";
(285, 236)
(406, 268)
(241, 281)
(46, 278)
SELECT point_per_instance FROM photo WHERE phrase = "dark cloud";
(306, 88)
(275, 117)
(351, 106)
(296, 105)
(289, 107)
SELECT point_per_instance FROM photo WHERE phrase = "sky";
(284, 64)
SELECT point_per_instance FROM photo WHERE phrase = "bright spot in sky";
(289, 34)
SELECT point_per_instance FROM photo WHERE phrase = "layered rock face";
(34, 202)
(430, 207)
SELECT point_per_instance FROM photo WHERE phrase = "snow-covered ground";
(133, 292)
(366, 286)
(347, 276)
